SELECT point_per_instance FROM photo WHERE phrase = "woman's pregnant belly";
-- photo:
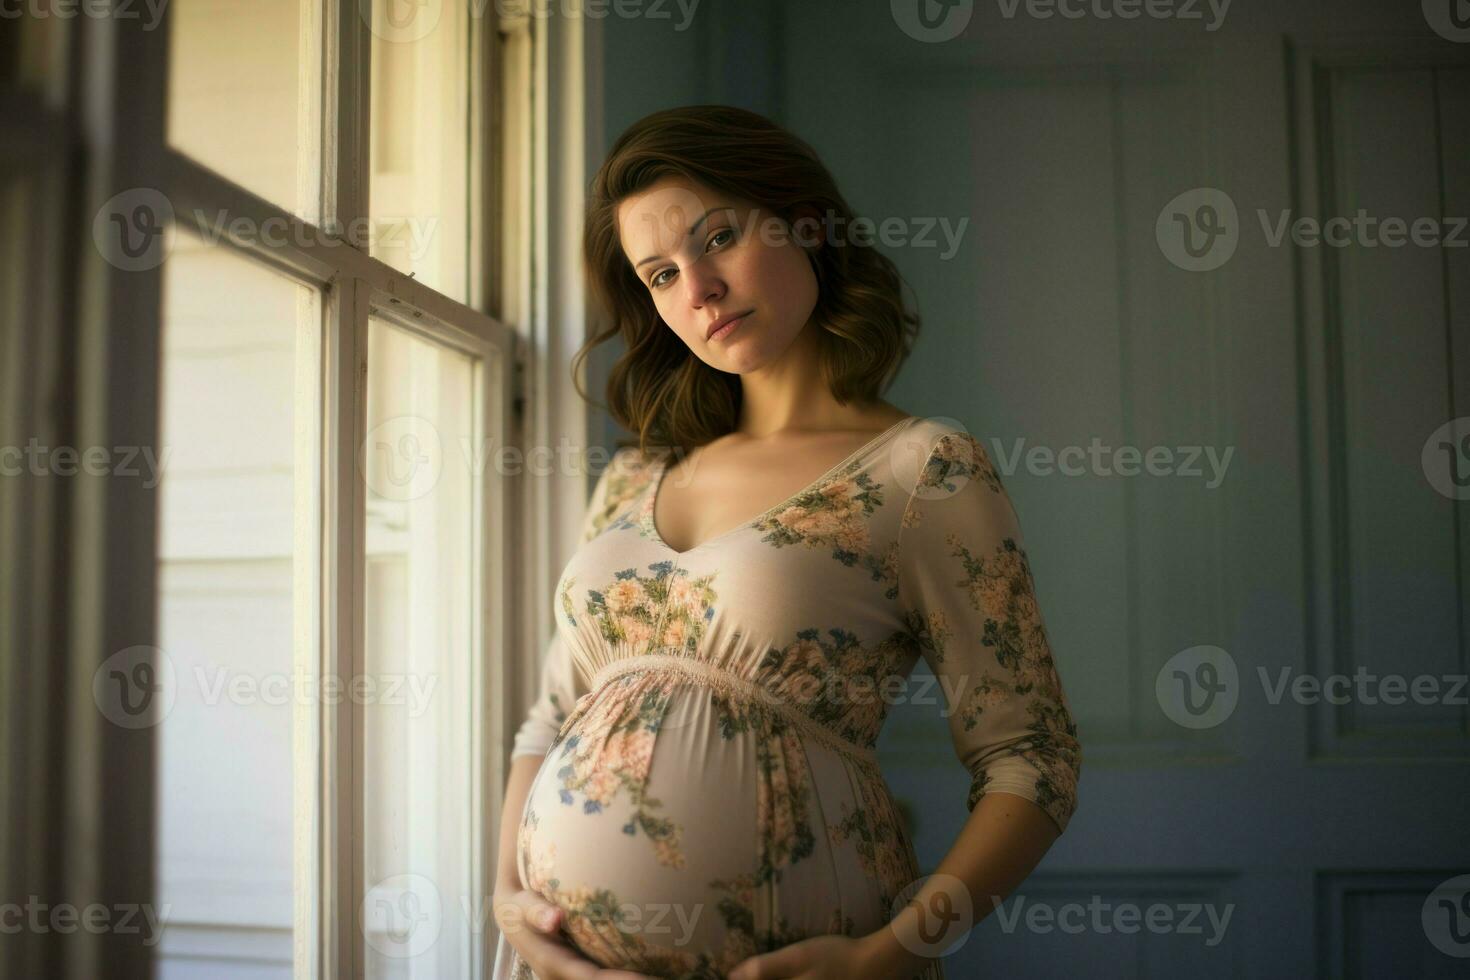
(683, 832)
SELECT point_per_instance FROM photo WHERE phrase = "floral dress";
(708, 717)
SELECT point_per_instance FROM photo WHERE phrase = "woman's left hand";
(819, 958)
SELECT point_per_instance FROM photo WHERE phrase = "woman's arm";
(966, 586)
(1004, 838)
(523, 769)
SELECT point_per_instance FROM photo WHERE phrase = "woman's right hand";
(532, 925)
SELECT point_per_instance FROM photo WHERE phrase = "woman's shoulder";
(631, 467)
(626, 475)
(937, 451)
(928, 436)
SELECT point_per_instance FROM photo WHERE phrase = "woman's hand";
(819, 958)
(532, 926)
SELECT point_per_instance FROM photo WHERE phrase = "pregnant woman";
(695, 793)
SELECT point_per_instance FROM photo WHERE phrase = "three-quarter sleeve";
(562, 681)
(561, 686)
(967, 596)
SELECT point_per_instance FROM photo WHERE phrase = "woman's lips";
(728, 328)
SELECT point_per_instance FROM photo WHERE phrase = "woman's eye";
(658, 280)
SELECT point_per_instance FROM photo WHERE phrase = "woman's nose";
(703, 286)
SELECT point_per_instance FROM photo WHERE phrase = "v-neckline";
(661, 467)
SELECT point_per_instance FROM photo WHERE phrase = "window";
(420, 589)
(328, 606)
(253, 250)
(238, 541)
(420, 149)
(245, 95)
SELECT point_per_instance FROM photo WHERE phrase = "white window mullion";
(482, 190)
(346, 114)
(344, 523)
(500, 499)
(310, 604)
(314, 80)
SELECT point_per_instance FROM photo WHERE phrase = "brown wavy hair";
(659, 389)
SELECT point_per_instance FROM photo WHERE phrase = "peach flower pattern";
(1008, 673)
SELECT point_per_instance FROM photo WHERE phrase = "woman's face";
(737, 258)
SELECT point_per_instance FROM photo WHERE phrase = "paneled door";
(1203, 292)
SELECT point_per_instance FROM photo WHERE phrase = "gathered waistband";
(734, 685)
